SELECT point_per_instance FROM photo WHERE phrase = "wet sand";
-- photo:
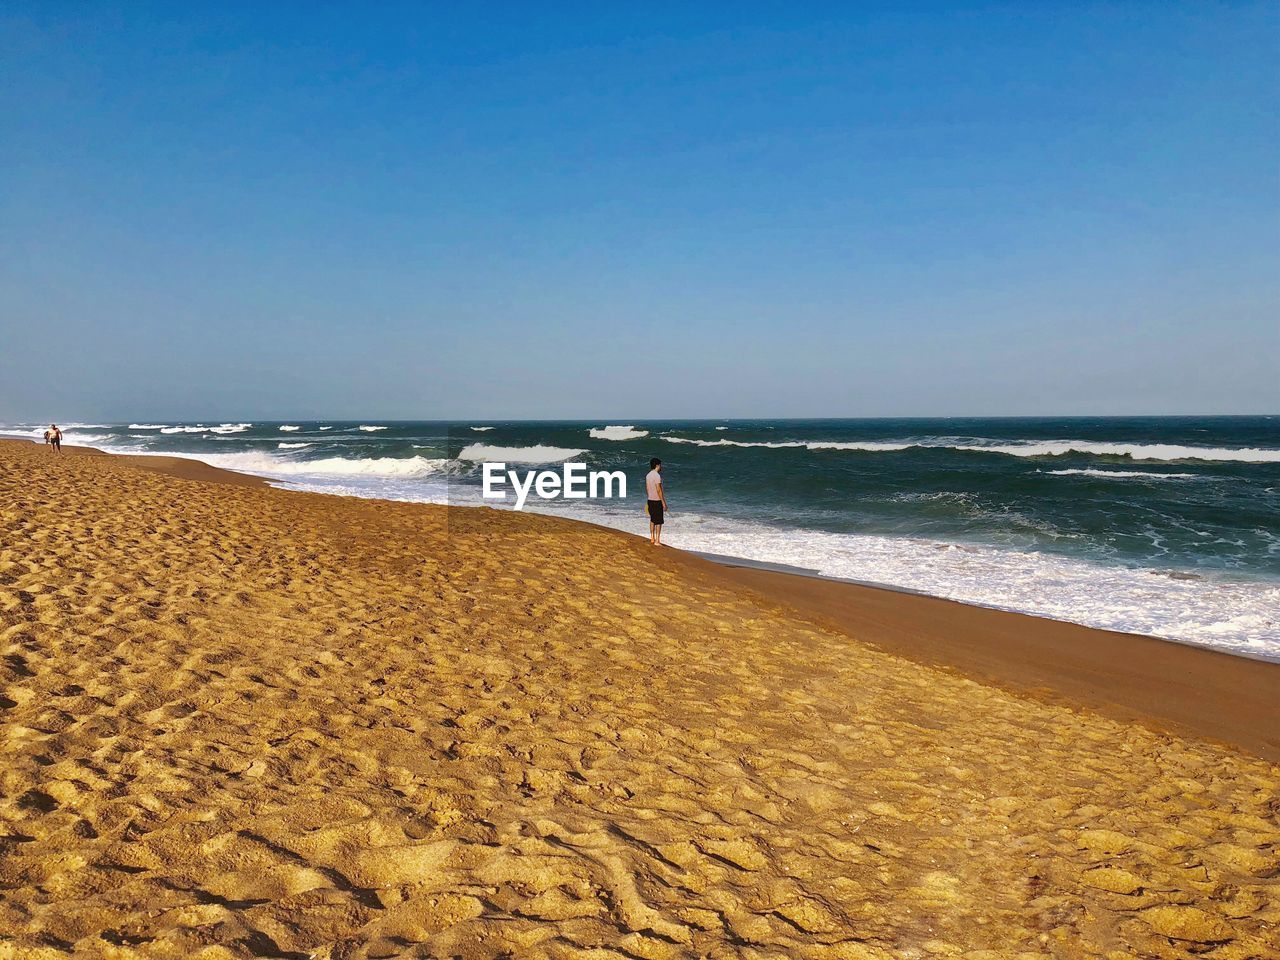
(240, 721)
(1166, 685)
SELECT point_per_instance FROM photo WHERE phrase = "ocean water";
(1163, 526)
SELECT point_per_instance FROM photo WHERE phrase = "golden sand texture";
(247, 722)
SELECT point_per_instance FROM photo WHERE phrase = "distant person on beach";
(53, 437)
(657, 503)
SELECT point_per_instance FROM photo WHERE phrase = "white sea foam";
(734, 443)
(221, 428)
(417, 489)
(722, 428)
(1134, 451)
(292, 446)
(868, 445)
(81, 426)
(370, 429)
(71, 433)
(147, 426)
(370, 466)
(268, 465)
(478, 452)
(289, 428)
(1121, 474)
(1021, 448)
(326, 428)
(481, 429)
(617, 433)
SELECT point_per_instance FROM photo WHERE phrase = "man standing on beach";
(657, 503)
(53, 437)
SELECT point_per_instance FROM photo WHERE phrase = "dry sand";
(238, 721)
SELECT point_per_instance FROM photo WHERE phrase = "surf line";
(572, 482)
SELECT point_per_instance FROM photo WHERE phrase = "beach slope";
(240, 721)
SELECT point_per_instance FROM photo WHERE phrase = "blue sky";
(662, 210)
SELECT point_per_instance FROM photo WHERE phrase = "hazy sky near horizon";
(663, 210)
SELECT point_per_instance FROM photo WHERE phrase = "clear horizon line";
(248, 418)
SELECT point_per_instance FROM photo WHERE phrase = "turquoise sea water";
(1164, 526)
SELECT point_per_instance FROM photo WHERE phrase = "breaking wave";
(617, 433)
(1122, 474)
(1133, 451)
(478, 452)
(1021, 448)
(222, 428)
(868, 445)
(265, 464)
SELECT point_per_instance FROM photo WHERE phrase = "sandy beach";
(241, 721)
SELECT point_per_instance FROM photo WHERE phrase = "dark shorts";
(655, 512)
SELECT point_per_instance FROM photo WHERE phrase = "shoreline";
(1166, 685)
(784, 569)
(198, 469)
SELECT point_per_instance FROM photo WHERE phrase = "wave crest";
(1021, 448)
(869, 445)
(477, 452)
(272, 466)
(1123, 474)
(617, 432)
(372, 466)
(221, 428)
(1133, 451)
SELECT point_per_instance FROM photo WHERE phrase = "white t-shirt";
(653, 484)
